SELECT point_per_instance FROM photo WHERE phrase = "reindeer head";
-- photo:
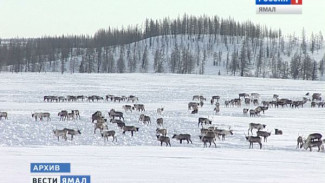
(230, 131)
(79, 131)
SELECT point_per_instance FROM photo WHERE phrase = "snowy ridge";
(210, 55)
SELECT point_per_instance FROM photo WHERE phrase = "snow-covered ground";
(140, 158)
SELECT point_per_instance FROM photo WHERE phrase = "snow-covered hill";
(196, 54)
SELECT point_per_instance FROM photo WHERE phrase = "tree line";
(187, 44)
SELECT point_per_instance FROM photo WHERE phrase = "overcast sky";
(36, 18)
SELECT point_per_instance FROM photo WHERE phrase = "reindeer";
(278, 132)
(160, 122)
(95, 116)
(264, 134)
(71, 98)
(227, 103)
(41, 115)
(62, 98)
(265, 103)
(236, 102)
(160, 110)
(81, 97)
(45, 115)
(257, 126)
(299, 142)
(313, 104)
(193, 105)
(119, 123)
(3, 115)
(310, 144)
(316, 96)
(162, 131)
(244, 95)
(47, 98)
(245, 111)
(76, 113)
(132, 98)
(61, 133)
(252, 140)
(109, 97)
(105, 134)
(72, 132)
(255, 95)
(255, 102)
(252, 113)
(63, 115)
(70, 116)
(130, 129)
(163, 139)
(261, 108)
(91, 98)
(145, 119)
(222, 133)
(207, 139)
(127, 108)
(216, 98)
(182, 137)
(101, 126)
(217, 108)
(314, 137)
(204, 120)
(117, 99)
(112, 114)
(247, 101)
(138, 107)
(196, 97)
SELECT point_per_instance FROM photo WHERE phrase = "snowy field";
(140, 158)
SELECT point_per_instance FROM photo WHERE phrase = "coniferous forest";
(186, 45)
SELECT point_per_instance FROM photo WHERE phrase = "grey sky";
(35, 18)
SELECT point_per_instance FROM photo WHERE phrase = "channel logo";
(36, 169)
(278, 2)
(278, 6)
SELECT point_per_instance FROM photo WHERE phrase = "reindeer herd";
(91, 98)
(209, 133)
